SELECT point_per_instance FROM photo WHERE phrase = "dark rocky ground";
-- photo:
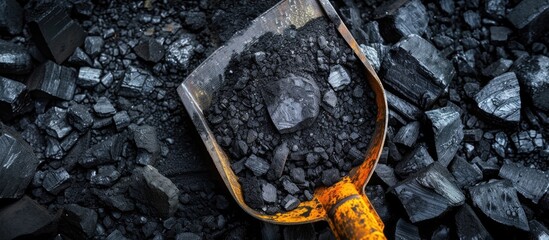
(95, 143)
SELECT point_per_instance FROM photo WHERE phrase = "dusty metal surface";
(196, 93)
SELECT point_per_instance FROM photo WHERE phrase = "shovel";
(344, 204)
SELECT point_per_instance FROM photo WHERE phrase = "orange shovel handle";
(350, 214)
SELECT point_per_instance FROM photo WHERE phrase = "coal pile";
(295, 113)
(96, 145)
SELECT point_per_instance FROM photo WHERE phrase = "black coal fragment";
(13, 98)
(489, 167)
(103, 107)
(293, 103)
(376, 196)
(80, 117)
(181, 51)
(251, 189)
(280, 154)
(268, 192)
(17, 164)
(116, 235)
(330, 176)
(441, 233)
(14, 59)
(527, 141)
(403, 107)
(338, 78)
(472, 135)
(497, 68)
(115, 198)
(53, 149)
(257, 165)
(401, 18)
(429, 193)
(54, 122)
(538, 230)
(500, 98)
(105, 175)
(415, 69)
(466, 174)
(406, 230)
(447, 132)
(57, 41)
(386, 174)
(11, 17)
(532, 74)
(499, 34)
(79, 58)
(469, 225)
(289, 186)
(408, 134)
(50, 79)
(149, 50)
(155, 190)
(413, 162)
(93, 45)
(146, 140)
(270, 231)
(26, 219)
(137, 82)
(78, 222)
(529, 182)
(100, 153)
(88, 77)
(56, 181)
(498, 200)
(530, 16)
(472, 19)
(121, 120)
(290, 202)
(495, 8)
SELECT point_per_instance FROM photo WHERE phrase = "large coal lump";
(415, 69)
(531, 17)
(78, 222)
(293, 103)
(137, 82)
(429, 193)
(529, 182)
(533, 75)
(155, 190)
(54, 32)
(469, 225)
(498, 200)
(50, 79)
(14, 59)
(500, 99)
(447, 132)
(11, 17)
(17, 164)
(26, 219)
(13, 96)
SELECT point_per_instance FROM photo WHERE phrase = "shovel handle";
(350, 214)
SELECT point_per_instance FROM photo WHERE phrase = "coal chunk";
(531, 16)
(268, 192)
(257, 165)
(429, 193)
(13, 98)
(466, 174)
(251, 189)
(532, 73)
(278, 161)
(11, 17)
(406, 230)
(415, 69)
(56, 181)
(330, 176)
(17, 163)
(499, 201)
(469, 225)
(137, 82)
(116, 235)
(78, 222)
(155, 190)
(93, 45)
(88, 77)
(386, 174)
(26, 219)
(121, 120)
(330, 98)
(105, 175)
(292, 102)
(103, 107)
(529, 182)
(80, 58)
(290, 202)
(447, 132)
(403, 107)
(500, 98)
(499, 34)
(107, 151)
(495, 8)
(57, 41)
(54, 122)
(400, 18)
(338, 78)
(14, 59)
(149, 50)
(50, 79)
(181, 51)
(80, 117)
(538, 230)
(408, 134)
(472, 19)
(146, 141)
(413, 162)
